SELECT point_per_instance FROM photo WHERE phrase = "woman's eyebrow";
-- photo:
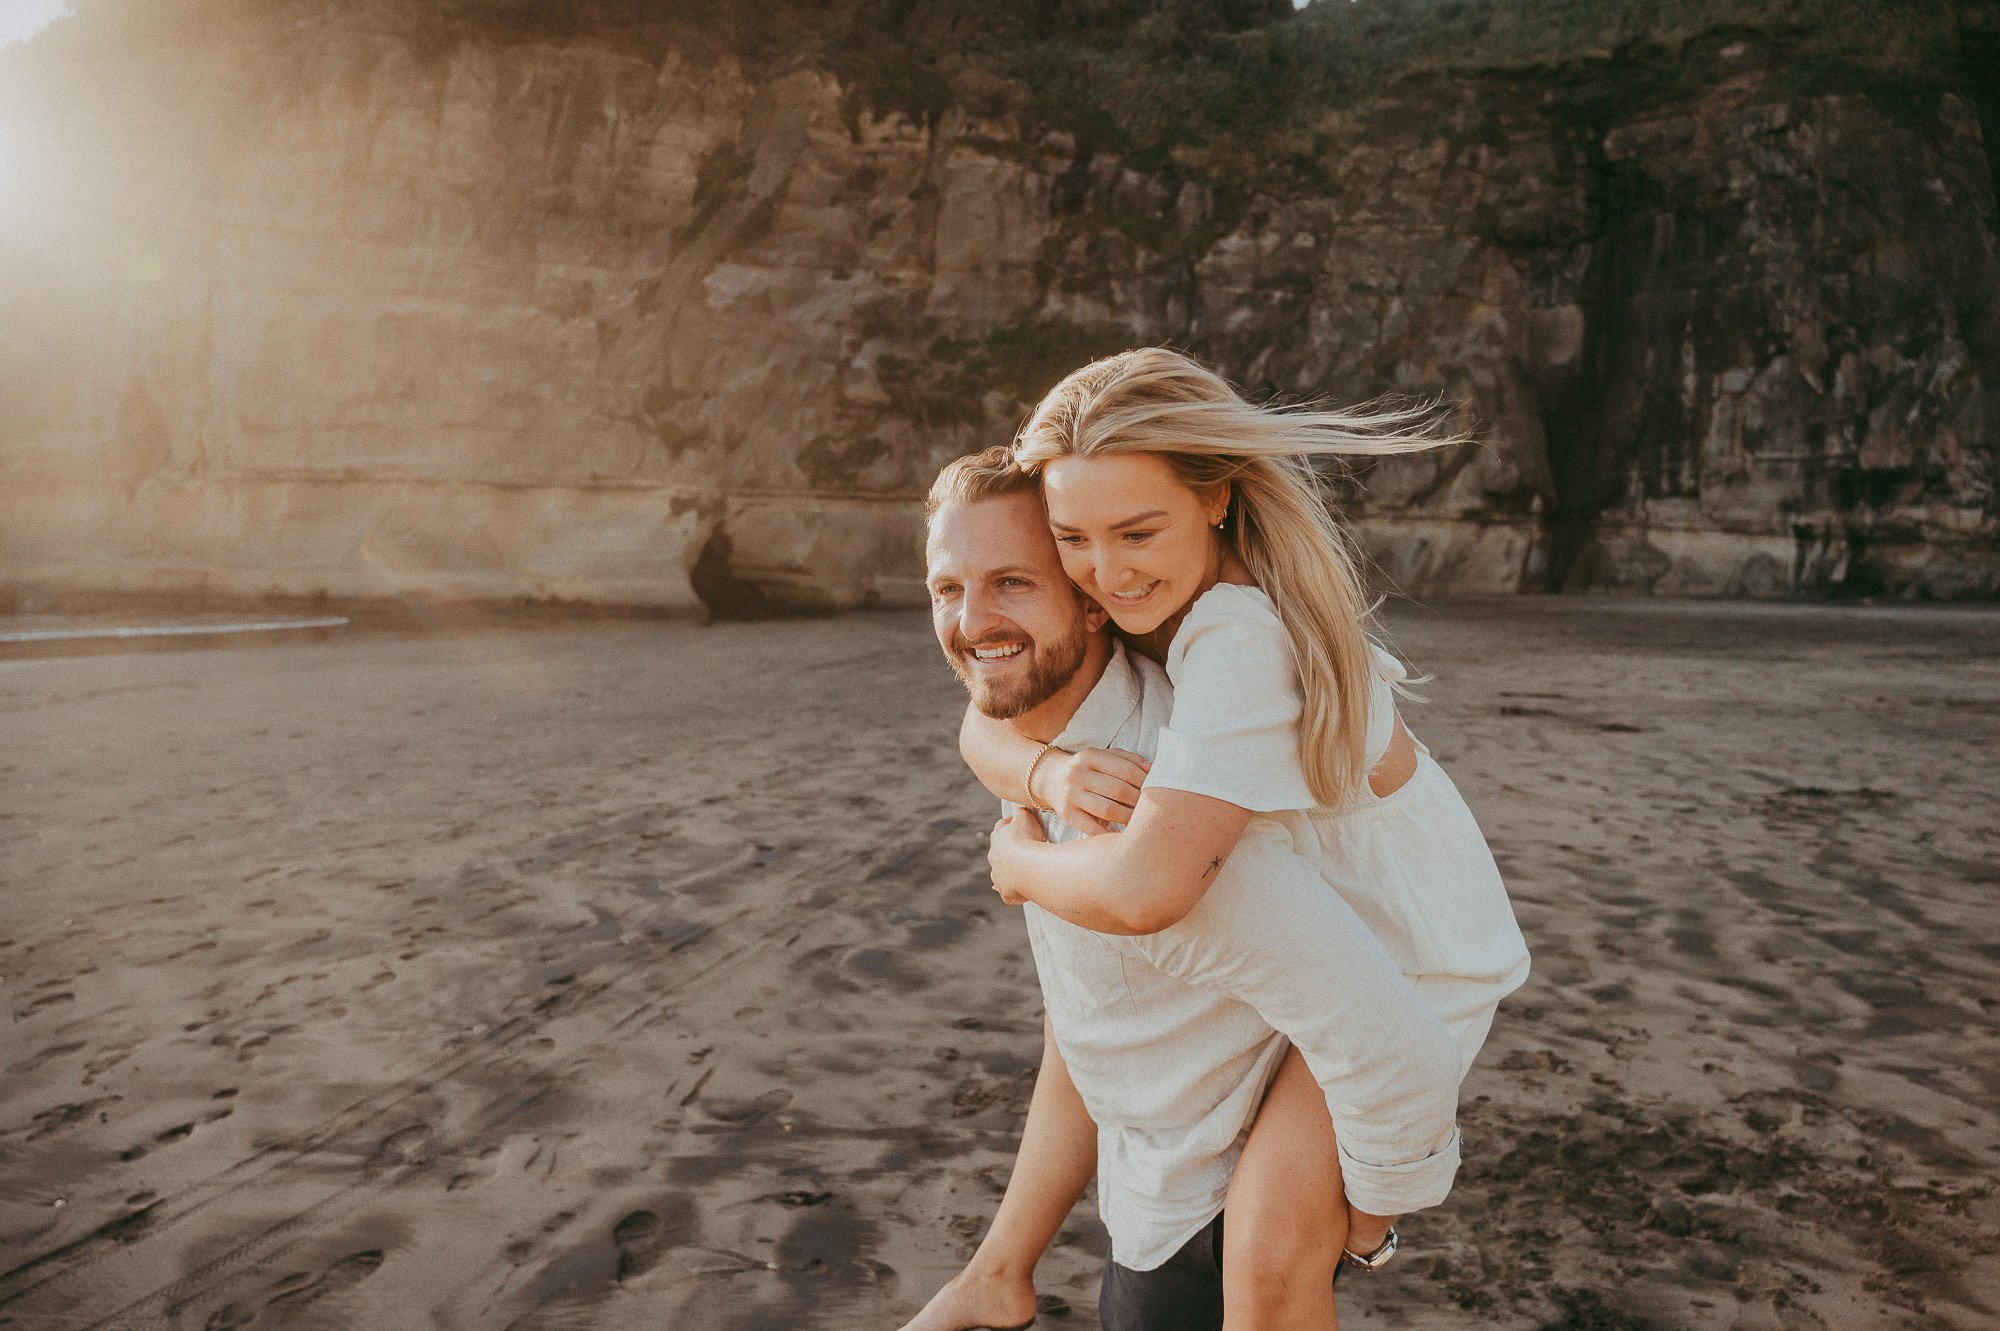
(1149, 516)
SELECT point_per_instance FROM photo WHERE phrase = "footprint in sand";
(405, 1145)
(644, 1237)
(66, 1115)
(748, 1114)
(298, 1290)
(46, 1000)
(639, 1238)
(303, 1287)
(179, 1132)
(52, 1052)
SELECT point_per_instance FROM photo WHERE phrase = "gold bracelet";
(1034, 803)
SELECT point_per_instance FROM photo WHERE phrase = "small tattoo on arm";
(1213, 865)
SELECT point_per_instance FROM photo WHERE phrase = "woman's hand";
(1003, 854)
(1093, 790)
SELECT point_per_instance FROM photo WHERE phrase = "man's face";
(1011, 624)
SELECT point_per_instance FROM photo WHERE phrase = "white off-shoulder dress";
(1413, 864)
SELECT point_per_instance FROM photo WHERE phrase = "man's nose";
(978, 615)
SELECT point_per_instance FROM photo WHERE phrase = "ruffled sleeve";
(1234, 730)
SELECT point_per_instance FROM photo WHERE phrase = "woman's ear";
(1218, 505)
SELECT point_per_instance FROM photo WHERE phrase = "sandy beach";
(609, 974)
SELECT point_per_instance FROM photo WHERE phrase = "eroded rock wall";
(559, 320)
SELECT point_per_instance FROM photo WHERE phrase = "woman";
(1195, 520)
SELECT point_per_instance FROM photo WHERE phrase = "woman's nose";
(1108, 569)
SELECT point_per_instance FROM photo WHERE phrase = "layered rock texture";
(317, 306)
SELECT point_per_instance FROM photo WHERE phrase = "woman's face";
(1134, 536)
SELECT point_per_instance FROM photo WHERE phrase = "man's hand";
(1010, 833)
(1093, 790)
(977, 1298)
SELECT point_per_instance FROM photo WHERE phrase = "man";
(1158, 1050)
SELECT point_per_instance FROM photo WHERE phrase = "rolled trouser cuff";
(1400, 1188)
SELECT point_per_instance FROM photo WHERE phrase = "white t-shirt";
(1172, 1074)
(1234, 733)
(1413, 864)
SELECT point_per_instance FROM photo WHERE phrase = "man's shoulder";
(1150, 676)
(1125, 707)
(1152, 694)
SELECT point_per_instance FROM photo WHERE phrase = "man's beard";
(1050, 666)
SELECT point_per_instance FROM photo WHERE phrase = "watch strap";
(1373, 1261)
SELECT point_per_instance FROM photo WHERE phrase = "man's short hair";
(987, 474)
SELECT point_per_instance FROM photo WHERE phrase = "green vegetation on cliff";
(1145, 74)
(1232, 89)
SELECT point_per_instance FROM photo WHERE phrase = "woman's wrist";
(1043, 765)
(1010, 862)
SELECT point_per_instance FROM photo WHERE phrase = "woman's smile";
(1133, 598)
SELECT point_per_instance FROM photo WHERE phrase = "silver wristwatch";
(1376, 1260)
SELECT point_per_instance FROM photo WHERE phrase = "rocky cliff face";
(569, 320)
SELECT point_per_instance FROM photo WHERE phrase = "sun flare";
(22, 19)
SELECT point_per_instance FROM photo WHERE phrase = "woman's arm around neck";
(998, 755)
(1140, 881)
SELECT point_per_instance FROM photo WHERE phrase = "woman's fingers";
(1008, 826)
(1093, 814)
(1105, 808)
(1107, 801)
(1085, 823)
(1101, 789)
(1122, 764)
(1003, 848)
(1116, 789)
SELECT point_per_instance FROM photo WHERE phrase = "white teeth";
(1139, 595)
(996, 653)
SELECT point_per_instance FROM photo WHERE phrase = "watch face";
(1375, 1259)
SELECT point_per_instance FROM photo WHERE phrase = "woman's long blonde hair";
(1158, 401)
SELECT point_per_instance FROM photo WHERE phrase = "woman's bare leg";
(1286, 1215)
(1057, 1158)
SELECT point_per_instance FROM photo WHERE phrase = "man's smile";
(993, 655)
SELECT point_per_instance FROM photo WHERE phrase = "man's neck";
(1046, 721)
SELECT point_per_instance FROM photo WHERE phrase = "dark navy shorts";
(1183, 1293)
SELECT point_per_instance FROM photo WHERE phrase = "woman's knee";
(1271, 1269)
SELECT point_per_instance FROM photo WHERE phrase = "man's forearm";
(1055, 1163)
(997, 754)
